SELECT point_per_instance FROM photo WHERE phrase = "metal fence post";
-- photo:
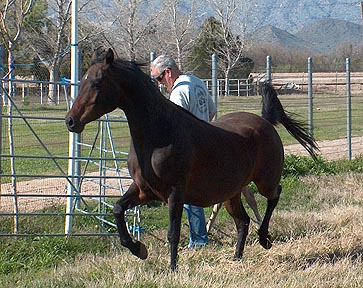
(41, 93)
(268, 69)
(74, 138)
(349, 110)
(310, 97)
(214, 81)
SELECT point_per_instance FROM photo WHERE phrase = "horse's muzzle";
(73, 125)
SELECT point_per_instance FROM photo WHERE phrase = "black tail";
(273, 112)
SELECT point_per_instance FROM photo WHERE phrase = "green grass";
(20, 254)
(53, 136)
(329, 122)
(37, 253)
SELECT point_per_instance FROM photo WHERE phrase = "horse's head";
(97, 95)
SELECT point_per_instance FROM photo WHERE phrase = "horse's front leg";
(175, 203)
(129, 200)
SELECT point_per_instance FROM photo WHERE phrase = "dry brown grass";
(317, 247)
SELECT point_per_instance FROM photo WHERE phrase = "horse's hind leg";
(265, 238)
(128, 201)
(235, 208)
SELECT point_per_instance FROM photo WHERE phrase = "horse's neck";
(149, 120)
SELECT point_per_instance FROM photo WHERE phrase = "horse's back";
(249, 125)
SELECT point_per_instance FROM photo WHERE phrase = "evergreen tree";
(211, 40)
(208, 42)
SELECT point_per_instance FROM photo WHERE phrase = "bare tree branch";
(233, 16)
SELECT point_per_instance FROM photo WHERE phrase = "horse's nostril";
(69, 122)
(73, 124)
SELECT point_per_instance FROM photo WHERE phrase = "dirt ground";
(39, 194)
(331, 149)
(44, 193)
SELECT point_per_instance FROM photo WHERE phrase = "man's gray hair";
(163, 62)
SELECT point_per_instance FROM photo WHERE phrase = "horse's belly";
(209, 186)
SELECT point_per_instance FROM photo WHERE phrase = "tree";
(179, 24)
(233, 16)
(12, 16)
(211, 40)
(225, 35)
(126, 25)
(47, 35)
(208, 41)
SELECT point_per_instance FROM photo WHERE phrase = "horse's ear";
(98, 54)
(110, 56)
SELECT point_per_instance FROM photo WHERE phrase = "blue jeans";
(198, 236)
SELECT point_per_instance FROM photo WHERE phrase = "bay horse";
(177, 158)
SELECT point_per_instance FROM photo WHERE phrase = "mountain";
(319, 37)
(319, 27)
(328, 34)
(292, 16)
(276, 37)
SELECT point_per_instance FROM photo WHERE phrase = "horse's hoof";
(142, 251)
(139, 250)
(266, 242)
(237, 259)
(173, 267)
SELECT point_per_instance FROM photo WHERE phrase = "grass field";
(317, 243)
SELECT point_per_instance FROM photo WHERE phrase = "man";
(191, 93)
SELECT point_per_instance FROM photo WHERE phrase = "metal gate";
(34, 168)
